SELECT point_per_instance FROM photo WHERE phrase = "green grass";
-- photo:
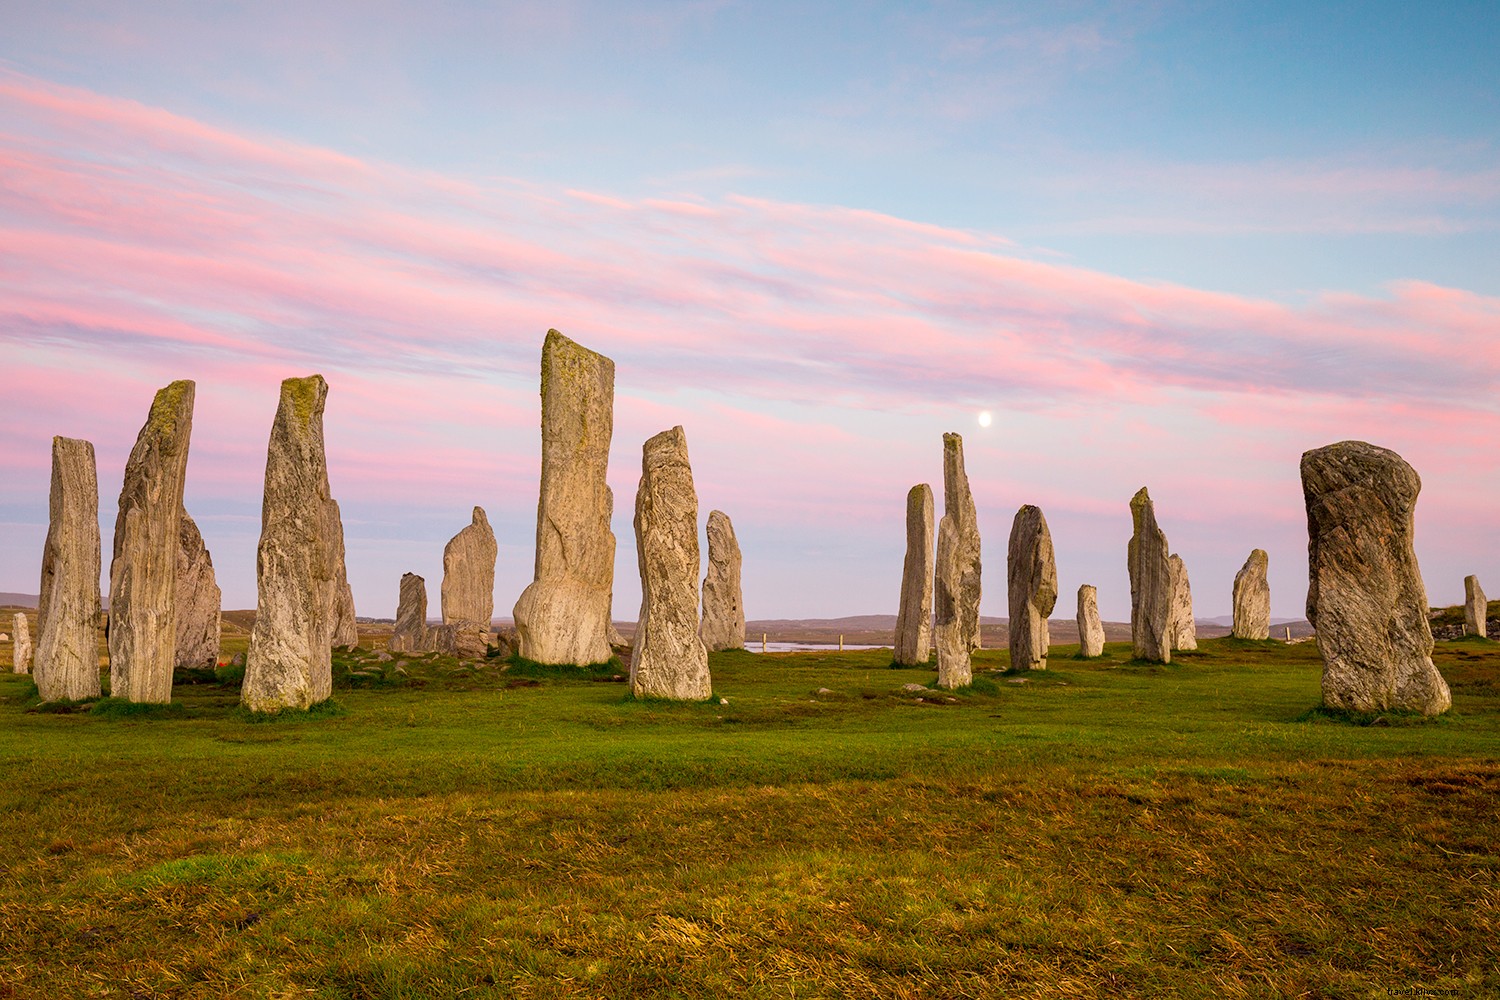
(1098, 829)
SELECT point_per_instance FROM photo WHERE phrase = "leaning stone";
(1252, 598)
(411, 634)
(1150, 583)
(66, 664)
(1365, 597)
(913, 644)
(956, 575)
(723, 625)
(345, 627)
(1032, 588)
(143, 572)
(290, 663)
(1476, 608)
(21, 651)
(1183, 630)
(563, 616)
(198, 600)
(1090, 629)
(468, 594)
(670, 660)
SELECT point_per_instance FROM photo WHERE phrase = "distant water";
(807, 647)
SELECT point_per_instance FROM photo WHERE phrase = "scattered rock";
(914, 688)
(1150, 583)
(913, 644)
(723, 625)
(1252, 598)
(956, 575)
(384, 657)
(1032, 588)
(66, 663)
(1090, 629)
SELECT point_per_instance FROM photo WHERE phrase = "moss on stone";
(302, 395)
(167, 407)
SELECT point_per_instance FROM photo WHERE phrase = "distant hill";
(19, 600)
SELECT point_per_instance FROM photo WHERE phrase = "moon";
(984, 418)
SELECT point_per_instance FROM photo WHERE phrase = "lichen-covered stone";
(20, 653)
(1150, 583)
(198, 600)
(290, 664)
(1365, 596)
(723, 625)
(66, 664)
(143, 572)
(1252, 598)
(468, 594)
(956, 573)
(1090, 629)
(345, 627)
(1183, 631)
(411, 634)
(1031, 577)
(563, 616)
(913, 645)
(670, 660)
(1476, 608)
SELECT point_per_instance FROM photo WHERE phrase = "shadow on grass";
(122, 708)
(326, 709)
(519, 666)
(1323, 715)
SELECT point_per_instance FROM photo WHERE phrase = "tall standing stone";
(611, 634)
(1252, 598)
(670, 660)
(1365, 595)
(289, 664)
(198, 600)
(1150, 583)
(66, 664)
(914, 617)
(411, 634)
(143, 572)
(1090, 629)
(345, 628)
(468, 594)
(956, 574)
(20, 659)
(1476, 608)
(1183, 631)
(563, 616)
(723, 625)
(1032, 588)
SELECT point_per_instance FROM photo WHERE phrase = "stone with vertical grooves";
(411, 633)
(289, 665)
(956, 572)
(612, 634)
(66, 662)
(914, 617)
(723, 625)
(468, 592)
(670, 660)
(1183, 632)
(1031, 578)
(1252, 598)
(563, 616)
(143, 572)
(1476, 608)
(197, 601)
(1150, 583)
(1090, 629)
(345, 628)
(1365, 595)
(20, 660)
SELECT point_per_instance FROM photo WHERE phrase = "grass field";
(1104, 829)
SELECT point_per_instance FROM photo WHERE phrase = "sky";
(1162, 244)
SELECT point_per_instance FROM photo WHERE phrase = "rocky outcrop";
(345, 627)
(913, 645)
(669, 660)
(1252, 598)
(411, 633)
(1183, 631)
(1365, 595)
(563, 616)
(723, 625)
(20, 652)
(289, 664)
(66, 664)
(1150, 583)
(197, 600)
(143, 572)
(956, 573)
(1090, 629)
(468, 595)
(1031, 572)
(1476, 608)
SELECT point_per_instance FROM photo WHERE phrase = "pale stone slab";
(1150, 583)
(411, 633)
(913, 645)
(66, 664)
(723, 625)
(1252, 598)
(956, 573)
(468, 593)
(1183, 630)
(21, 650)
(1476, 608)
(1031, 576)
(1090, 628)
(198, 600)
(345, 628)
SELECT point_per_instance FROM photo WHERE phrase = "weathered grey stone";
(1252, 598)
(345, 628)
(913, 644)
(1365, 595)
(1090, 629)
(956, 574)
(1150, 583)
(723, 625)
(296, 564)
(143, 572)
(468, 594)
(612, 633)
(465, 640)
(1183, 631)
(411, 634)
(66, 664)
(670, 659)
(507, 641)
(197, 601)
(563, 616)
(20, 658)
(1476, 608)
(1031, 572)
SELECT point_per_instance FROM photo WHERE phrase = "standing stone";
(1476, 608)
(1183, 631)
(914, 618)
(143, 572)
(670, 659)
(289, 664)
(1252, 598)
(563, 616)
(1150, 584)
(1090, 629)
(1365, 595)
(957, 572)
(411, 634)
(1032, 578)
(20, 660)
(723, 624)
(468, 593)
(612, 635)
(197, 600)
(66, 664)
(345, 628)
